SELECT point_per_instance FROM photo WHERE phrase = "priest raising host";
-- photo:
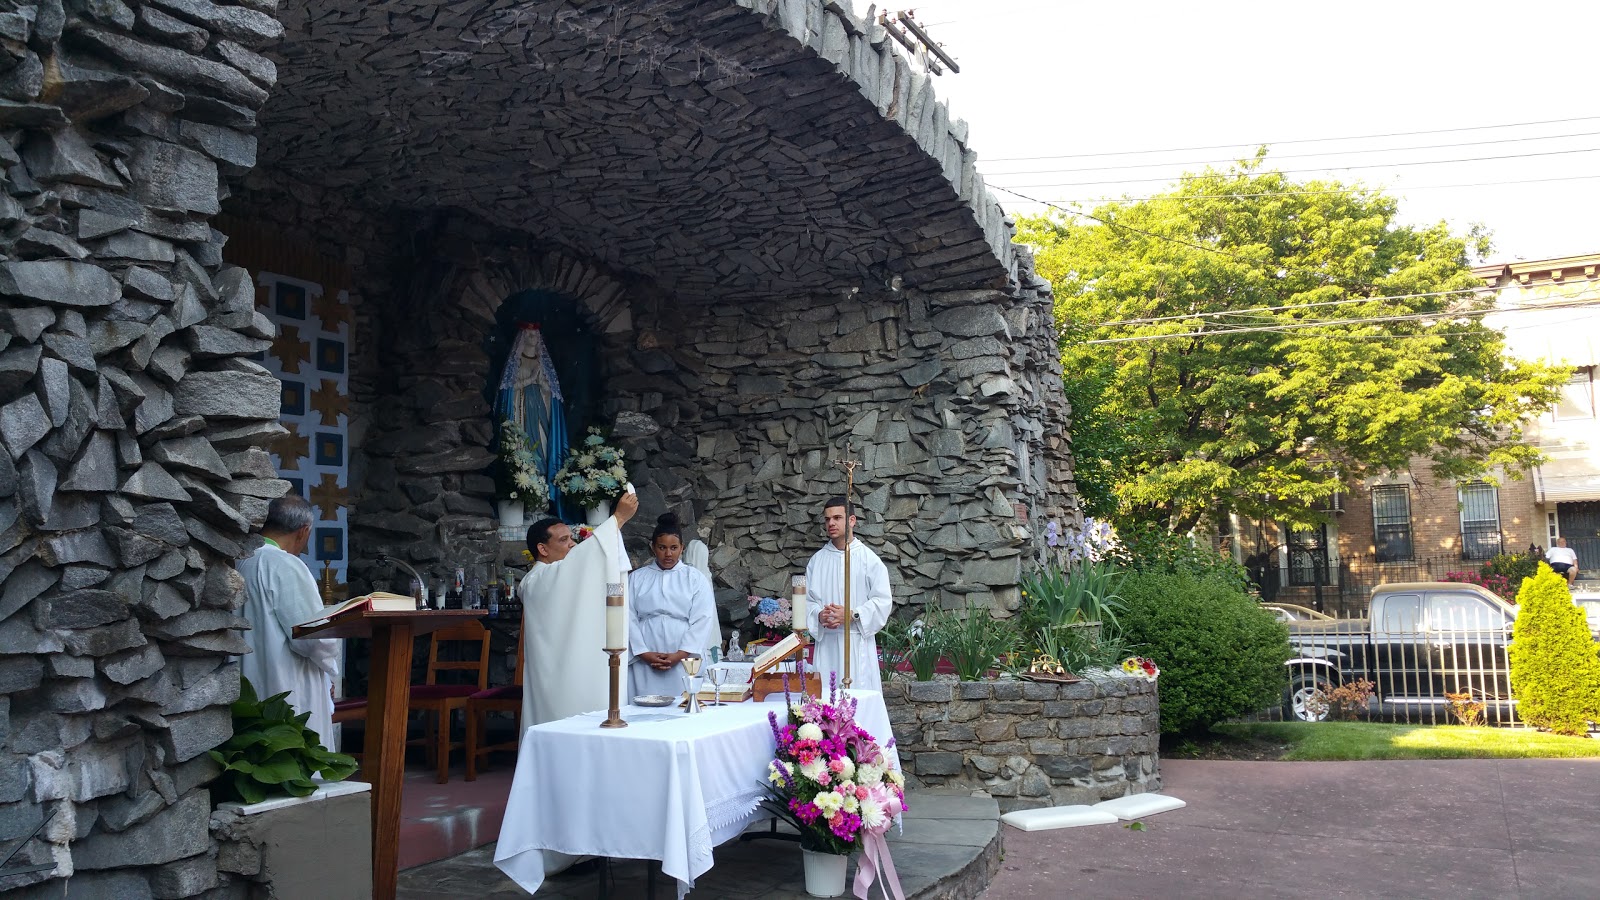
(870, 601)
(564, 669)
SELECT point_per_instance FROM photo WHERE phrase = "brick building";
(1410, 525)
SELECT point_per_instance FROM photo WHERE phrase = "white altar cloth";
(669, 787)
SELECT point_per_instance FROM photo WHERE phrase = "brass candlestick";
(617, 639)
(614, 714)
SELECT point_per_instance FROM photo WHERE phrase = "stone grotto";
(269, 245)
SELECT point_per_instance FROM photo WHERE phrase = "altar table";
(669, 787)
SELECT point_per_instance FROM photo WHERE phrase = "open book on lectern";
(787, 648)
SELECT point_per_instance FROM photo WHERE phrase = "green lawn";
(1373, 740)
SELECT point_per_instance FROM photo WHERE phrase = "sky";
(1063, 79)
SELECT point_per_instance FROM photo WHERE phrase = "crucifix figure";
(849, 466)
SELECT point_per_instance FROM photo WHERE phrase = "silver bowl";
(654, 700)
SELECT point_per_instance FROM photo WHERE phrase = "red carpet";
(438, 821)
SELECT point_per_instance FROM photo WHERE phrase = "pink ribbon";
(875, 858)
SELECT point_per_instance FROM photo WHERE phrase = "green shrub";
(1156, 551)
(1513, 567)
(1555, 672)
(1221, 655)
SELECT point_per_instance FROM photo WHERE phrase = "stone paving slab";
(1457, 828)
(949, 850)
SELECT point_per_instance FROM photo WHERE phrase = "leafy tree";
(1555, 670)
(1267, 421)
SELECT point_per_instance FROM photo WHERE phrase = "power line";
(1359, 137)
(1371, 320)
(1352, 190)
(1254, 309)
(1275, 157)
(1392, 165)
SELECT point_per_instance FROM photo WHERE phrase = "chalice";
(691, 682)
(718, 676)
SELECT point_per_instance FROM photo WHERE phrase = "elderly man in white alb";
(1563, 559)
(870, 601)
(280, 593)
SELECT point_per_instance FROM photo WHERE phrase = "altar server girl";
(673, 614)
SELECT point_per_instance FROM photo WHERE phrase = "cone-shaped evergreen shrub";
(1555, 666)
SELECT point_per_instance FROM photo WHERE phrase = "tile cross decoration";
(329, 403)
(290, 350)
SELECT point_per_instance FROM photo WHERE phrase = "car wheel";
(1308, 698)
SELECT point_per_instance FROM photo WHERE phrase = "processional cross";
(849, 466)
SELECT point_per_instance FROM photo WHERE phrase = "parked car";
(1289, 612)
(1420, 641)
(1588, 599)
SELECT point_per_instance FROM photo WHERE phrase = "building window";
(1577, 395)
(1552, 528)
(1480, 521)
(1391, 522)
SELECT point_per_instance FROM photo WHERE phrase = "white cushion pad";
(1057, 817)
(1137, 806)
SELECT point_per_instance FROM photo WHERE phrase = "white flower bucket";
(825, 873)
(597, 515)
(512, 514)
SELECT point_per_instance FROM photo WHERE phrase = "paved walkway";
(949, 848)
(1456, 829)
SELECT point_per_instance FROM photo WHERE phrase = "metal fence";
(1344, 588)
(1429, 658)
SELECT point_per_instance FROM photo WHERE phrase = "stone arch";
(480, 291)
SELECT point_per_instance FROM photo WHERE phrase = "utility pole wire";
(1275, 157)
(1326, 140)
(1390, 165)
(1342, 302)
(1291, 326)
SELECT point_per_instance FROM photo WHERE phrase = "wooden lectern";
(388, 698)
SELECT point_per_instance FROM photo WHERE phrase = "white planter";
(597, 515)
(512, 514)
(825, 873)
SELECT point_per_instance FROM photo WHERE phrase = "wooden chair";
(442, 700)
(506, 698)
(352, 709)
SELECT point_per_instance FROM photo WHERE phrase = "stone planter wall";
(1026, 744)
(285, 852)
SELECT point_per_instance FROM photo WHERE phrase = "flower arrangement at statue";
(770, 618)
(520, 478)
(833, 782)
(593, 473)
(1141, 667)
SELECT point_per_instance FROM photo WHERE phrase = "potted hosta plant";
(833, 782)
(593, 476)
(522, 485)
(286, 807)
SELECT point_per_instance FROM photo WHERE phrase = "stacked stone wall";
(130, 415)
(1030, 744)
(732, 415)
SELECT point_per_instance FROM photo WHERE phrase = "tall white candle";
(616, 618)
(797, 603)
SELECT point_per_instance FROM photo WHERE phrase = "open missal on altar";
(777, 653)
(377, 601)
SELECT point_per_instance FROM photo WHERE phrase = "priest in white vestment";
(870, 602)
(672, 615)
(565, 670)
(280, 593)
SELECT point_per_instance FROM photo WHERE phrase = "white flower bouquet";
(594, 472)
(520, 478)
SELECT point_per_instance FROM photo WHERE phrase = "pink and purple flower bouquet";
(830, 779)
